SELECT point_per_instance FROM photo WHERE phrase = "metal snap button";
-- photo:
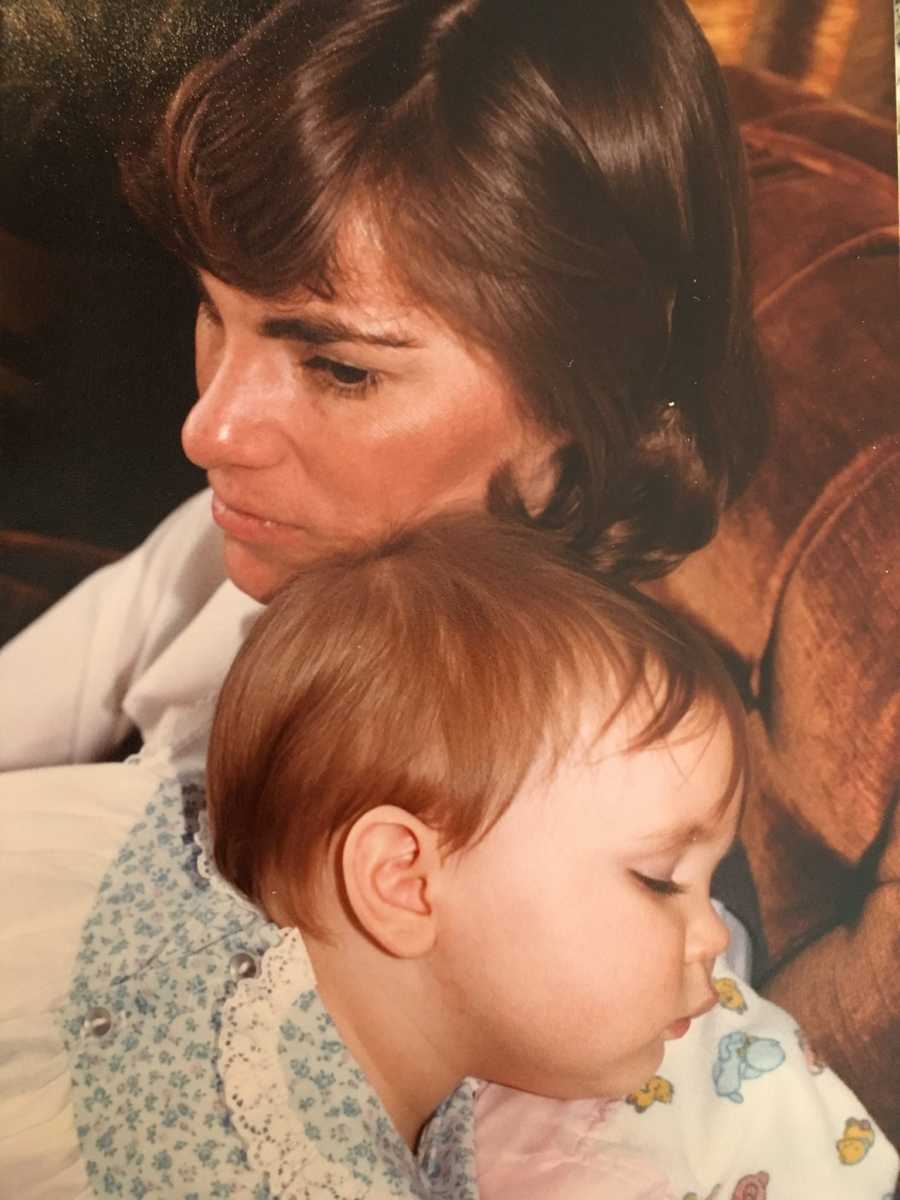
(243, 966)
(98, 1022)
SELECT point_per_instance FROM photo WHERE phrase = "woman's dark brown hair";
(560, 180)
(433, 672)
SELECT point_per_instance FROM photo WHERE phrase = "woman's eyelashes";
(662, 887)
(337, 376)
(331, 374)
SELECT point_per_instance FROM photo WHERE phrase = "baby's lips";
(680, 1027)
(677, 1029)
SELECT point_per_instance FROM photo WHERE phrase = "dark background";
(96, 321)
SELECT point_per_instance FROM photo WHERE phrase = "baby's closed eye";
(662, 887)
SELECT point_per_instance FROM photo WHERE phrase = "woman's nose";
(235, 421)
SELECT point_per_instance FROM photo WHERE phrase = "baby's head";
(492, 788)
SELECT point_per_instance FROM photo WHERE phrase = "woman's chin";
(253, 572)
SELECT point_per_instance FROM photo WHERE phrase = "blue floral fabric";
(343, 1115)
(160, 954)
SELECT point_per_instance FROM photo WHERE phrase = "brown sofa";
(801, 584)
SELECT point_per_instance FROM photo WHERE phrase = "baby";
(465, 802)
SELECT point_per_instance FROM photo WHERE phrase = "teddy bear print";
(856, 1141)
(655, 1089)
(750, 1187)
(730, 995)
(743, 1057)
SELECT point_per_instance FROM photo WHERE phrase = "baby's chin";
(612, 1081)
(631, 1075)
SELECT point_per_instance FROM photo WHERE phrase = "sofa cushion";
(36, 570)
(801, 584)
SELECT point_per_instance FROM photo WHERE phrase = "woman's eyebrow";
(323, 331)
(316, 331)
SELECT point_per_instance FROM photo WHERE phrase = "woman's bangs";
(266, 223)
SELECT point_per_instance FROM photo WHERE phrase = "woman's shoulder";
(99, 645)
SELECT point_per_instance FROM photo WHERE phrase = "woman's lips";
(249, 528)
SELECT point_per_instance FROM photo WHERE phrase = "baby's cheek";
(654, 970)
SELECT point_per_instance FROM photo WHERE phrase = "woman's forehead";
(363, 308)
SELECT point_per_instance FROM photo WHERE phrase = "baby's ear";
(388, 861)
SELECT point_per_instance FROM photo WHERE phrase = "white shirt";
(147, 638)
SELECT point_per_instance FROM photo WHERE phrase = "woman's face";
(322, 420)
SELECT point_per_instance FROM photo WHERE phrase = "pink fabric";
(530, 1148)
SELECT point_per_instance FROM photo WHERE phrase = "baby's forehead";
(603, 801)
(638, 725)
(692, 772)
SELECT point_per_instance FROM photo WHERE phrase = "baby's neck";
(391, 1024)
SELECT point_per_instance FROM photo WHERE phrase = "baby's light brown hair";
(431, 672)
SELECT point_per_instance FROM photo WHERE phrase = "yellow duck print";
(730, 995)
(654, 1089)
(856, 1142)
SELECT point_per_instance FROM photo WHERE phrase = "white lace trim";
(256, 1089)
(207, 871)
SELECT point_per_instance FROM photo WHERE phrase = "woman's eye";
(341, 376)
(662, 887)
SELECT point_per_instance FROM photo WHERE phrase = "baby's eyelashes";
(662, 887)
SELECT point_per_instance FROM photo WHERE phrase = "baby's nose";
(708, 936)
